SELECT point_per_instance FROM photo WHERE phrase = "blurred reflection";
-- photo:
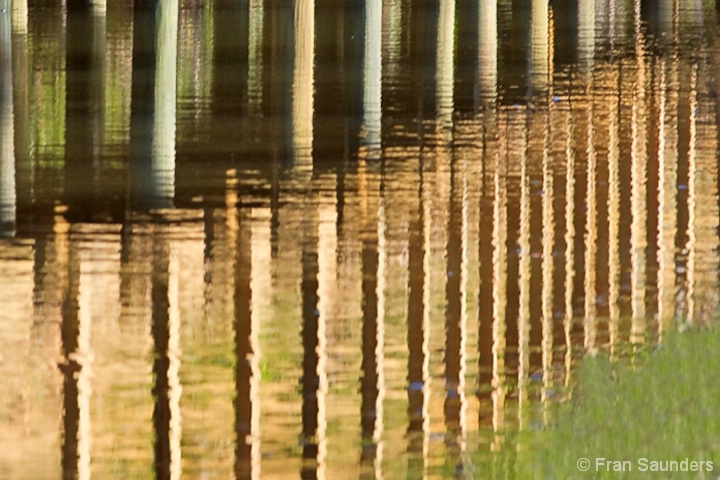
(255, 54)
(385, 245)
(247, 407)
(152, 135)
(372, 88)
(373, 326)
(8, 194)
(304, 85)
(166, 359)
(488, 50)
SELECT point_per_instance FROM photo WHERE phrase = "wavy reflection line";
(667, 199)
(499, 292)
(548, 232)
(614, 267)
(174, 358)
(692, 199)
(327, 292)
(638, 236)
(591, 232)
(524, 279)
(85, 360)
(569, 241)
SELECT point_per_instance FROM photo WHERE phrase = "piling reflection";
(318, 240)
(8, 193)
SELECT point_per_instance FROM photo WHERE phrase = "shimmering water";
(346, 239)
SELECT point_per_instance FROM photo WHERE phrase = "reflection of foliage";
(47, 88)
(195, 52)
(118, 77)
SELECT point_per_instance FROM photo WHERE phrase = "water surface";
(300, 240)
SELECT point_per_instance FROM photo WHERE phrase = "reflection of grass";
(668, 409)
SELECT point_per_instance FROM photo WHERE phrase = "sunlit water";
(335, 241)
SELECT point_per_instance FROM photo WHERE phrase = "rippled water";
(339, 239)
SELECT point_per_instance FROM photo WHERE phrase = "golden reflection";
(166, 363)
(499, 291)
(262, 287)
(84, 356)
(19, 13)
(327, 276)
(569, 242)
(540, 44)
(639, 187)
(586, 117)
(667, 191)
(29, 419)
(613, 212)
(548, 232)
(524, 277)
(323, 283)
(702, 201)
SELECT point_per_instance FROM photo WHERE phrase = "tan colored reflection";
(255, 54)
(252, 284)
(30, 419)
(262, 287)
(374, 261)
(524, 277)
(77, 362)
(702, 200)
(303, 84)
(166, 364)
(19, 13)
(614, 213)
(445, 60)
(540, 44)
(499, 292)
(8, 195)
(569, 243)
(639, 188)
(548, 232)
(314, 340)
(585, 117)
(586, 32)
(418, 320)
(667, 191)
(487, 49)
(163, 148)
(327, 292)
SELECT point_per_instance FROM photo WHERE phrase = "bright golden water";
(338, 239)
